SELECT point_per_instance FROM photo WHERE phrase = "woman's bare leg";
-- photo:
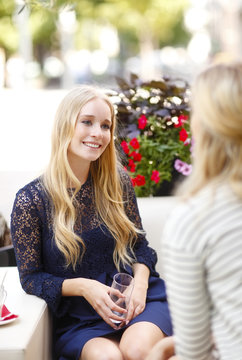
(163, 350)
(138, 339)
(101, 348)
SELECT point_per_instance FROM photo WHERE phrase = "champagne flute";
(124, 283)
(3, 295)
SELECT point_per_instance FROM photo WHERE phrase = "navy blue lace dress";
(42, 271)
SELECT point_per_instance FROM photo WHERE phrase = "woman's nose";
(96, 130)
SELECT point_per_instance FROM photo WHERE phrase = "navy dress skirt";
(42, 270)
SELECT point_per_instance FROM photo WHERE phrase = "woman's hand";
(138, 297)
(137, 301)
(97, 294)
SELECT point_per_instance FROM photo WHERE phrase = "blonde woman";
(202, 243)
(75, 227)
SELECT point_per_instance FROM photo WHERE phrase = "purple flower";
(182, 167)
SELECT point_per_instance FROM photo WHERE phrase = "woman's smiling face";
(92, 132)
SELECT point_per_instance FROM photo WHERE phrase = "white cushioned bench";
(29, 336)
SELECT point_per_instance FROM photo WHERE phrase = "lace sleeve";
(143, 252)
(26, 230)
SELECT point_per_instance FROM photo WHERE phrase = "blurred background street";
(49, 46)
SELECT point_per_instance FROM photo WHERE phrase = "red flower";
(136, 156)
(183, 135)
(140, 180)
(131, 165)
(133, 181)
(142, 121)
(125, 147)
(134, 143)
(181, 120)
(155, 176)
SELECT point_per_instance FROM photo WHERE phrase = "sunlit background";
(47, 47)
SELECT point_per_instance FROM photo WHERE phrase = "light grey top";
(202, 257)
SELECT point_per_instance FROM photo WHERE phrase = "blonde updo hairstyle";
(108, 195)
(217, 120)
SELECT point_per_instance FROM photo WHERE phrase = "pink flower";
(155, 176)
(134, 143)
(142, 121)
(192, 146)
(183, 135)
(136, 156)
(125, 147)
(181, 120)
(187, 142)
(182, 167)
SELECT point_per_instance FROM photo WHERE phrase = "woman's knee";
(134, 352)
(113, 355)
(138, 340)
(99, 354)
(101, 350)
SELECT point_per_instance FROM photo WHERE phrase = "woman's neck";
(81, 170)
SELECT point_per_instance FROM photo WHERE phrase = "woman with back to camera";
(202, 241)
(75, 227)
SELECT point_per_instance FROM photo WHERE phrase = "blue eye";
(106, 126)
(86, 122)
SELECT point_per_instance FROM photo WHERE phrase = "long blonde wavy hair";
(108, 193)
(217, 124)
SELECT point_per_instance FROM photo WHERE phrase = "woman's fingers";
(118, 306)
(109, 311)
(138, 310)
(134, 310)
(109, 303)
(130, 313)
(113, 320)
(115, 292)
